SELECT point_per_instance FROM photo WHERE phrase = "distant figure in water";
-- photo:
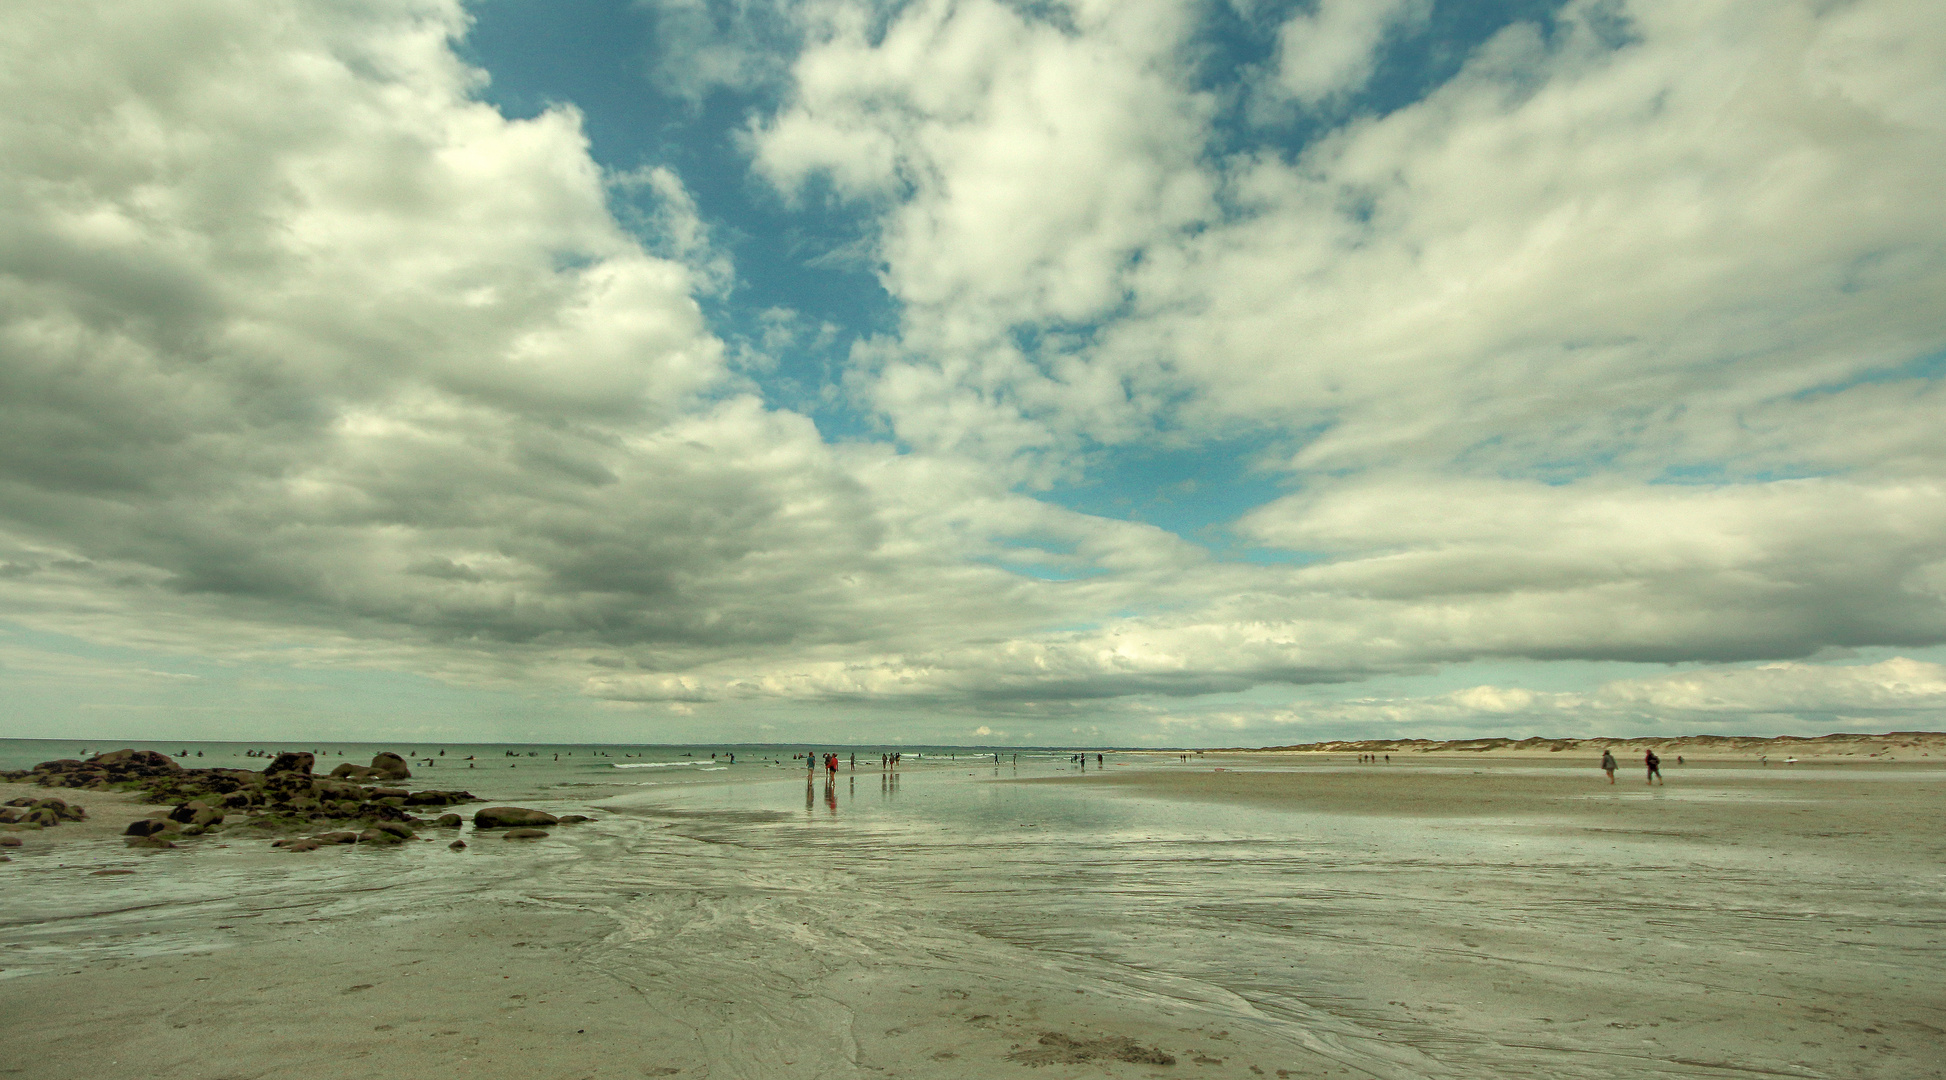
(1608, 765)
(1655, 766)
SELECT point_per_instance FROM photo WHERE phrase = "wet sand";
(1310, 921)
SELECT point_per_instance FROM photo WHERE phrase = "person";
(1655, 766)
(1608, 765)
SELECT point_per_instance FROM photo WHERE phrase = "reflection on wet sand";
(1380, 922)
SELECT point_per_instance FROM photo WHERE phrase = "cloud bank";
(1620, 343)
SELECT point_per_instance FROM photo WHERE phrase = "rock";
(353, 772)
(390, 766)
(389, 793)
(193, 830)
(525, 834)
(42, 816)
(501, 817)
(196, 812)
(303, 843)
(8, 817)
(449, 821)
(290, 762)
(341, 836)
(375, 836)
(65, 811)
(457, 845)
(397, 828)
(9, 841)
(134, 760)
(145, 827)
(574, 819)
(147, 842)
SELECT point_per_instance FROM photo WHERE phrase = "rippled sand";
(1421, 920)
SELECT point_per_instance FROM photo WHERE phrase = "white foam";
(650, 764)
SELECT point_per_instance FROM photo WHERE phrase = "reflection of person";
(1608, 765)
(1655, 766)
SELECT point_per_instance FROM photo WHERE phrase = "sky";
(1145, 373)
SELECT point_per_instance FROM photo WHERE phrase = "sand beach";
(1287, 914)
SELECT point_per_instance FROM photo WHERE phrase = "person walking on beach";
(1655, 766)
(1608, 765)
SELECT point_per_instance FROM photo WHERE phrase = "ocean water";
(515, 770)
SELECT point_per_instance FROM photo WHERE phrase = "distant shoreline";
(1843, 744)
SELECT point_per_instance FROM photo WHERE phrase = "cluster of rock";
(520, 822)
(284, 797)
(31, 813)
(40, 813)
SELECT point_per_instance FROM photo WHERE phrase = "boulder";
(145, 761)
(302, 843)
(574, 819)
(348, 771)
(194, 812)
(502, 817)
(449, 821)
(9, 841)
(375, 836)
(147, 842)
(341, 836)
(397, 828)
(290, 762)
(9, 816)
(390, 766)
(457, 845)
(389, 793)
(143, 827)
(525, 834)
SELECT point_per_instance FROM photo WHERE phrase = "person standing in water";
(1608, 764)
(1654, 765)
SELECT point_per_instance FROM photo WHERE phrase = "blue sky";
(1157, 372)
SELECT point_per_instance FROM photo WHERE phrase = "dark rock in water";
(341, 836)
(147, 842)
(349, 771)
(449, 821)
(525, 834)
(574, 819)
(145, 827)
(303, 843)
(290, 762)
(389, 793)
(390, 766)
(8, 817)
(9, 841)
(135, 760)
(501, 817)
(397, 828)
(375, 836)
(457, 845)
